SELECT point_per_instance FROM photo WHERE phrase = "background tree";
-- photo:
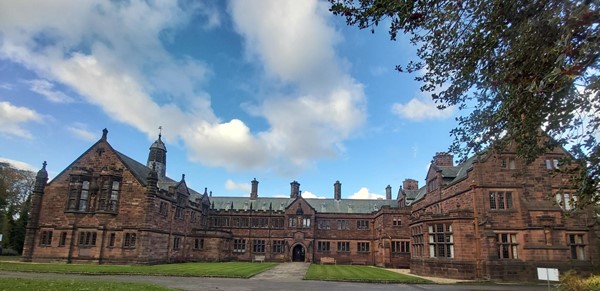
(15, 190)
(523, 70)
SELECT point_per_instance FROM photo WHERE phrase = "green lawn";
(358, 274)
(228, 269)
(59, 285)
(10, 258)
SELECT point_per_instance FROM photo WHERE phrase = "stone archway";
(298, 253)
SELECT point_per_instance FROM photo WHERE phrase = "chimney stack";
(337, 190)
(410, 184)
(295, 189)
(443, 159)
(254, 192)
(388, 192)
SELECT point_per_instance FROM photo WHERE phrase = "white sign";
(547, 274)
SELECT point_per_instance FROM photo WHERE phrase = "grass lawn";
(10, 258)
(228, 269)
(358, 274)
(59, 285)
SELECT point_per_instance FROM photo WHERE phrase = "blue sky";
(273, 90)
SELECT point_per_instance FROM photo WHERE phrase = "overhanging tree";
(524, 70)
(15, 190)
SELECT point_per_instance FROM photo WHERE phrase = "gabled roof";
(413, 195)
(361, 206)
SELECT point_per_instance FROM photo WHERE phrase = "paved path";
(436, 280)
(284, 272)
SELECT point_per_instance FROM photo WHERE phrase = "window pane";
(492, 200)
(500, 200)
(567, 201)
(508, 200)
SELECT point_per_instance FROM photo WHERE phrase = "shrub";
(9, 252)
(572, 282)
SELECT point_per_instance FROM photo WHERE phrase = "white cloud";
(420, 109)
(112, 54)
(12, 117)
(295, 45)
(364, 193)
(80, 131)
(44, 88)
(231, 185)
(308, 194)
(378, 70)
(20, 165)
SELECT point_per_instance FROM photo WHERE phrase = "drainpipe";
(101, 258)
(477, 237)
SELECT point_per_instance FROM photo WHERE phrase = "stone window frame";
(362, 224)
(441, 240)
(199, 244)
(129, 240)
(259, 222)
(306, 222)
(343, 246)
(396, 221)
(163, 208)
(323, 246)
(241, 222)
(239, 245)
(109, 193)
(576, 243)
(180, 206)
(417, 240)
(62, 240)
(323, 224)
(500, 200)
(258, 246)
(76, 191)
(363, 247)
(176, 243)
(401, 247)
(112, 237)
(46, 238)
(278, 246)
(552, 163)
(87, 239)
(508, 163)
(277, 222)
(292, 221)
(507, 245)
(343, 224)
(566, 200)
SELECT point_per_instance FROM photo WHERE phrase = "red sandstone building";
(489, 217)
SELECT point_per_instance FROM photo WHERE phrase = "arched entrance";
(298, 253)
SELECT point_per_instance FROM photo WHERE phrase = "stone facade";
(489, 217)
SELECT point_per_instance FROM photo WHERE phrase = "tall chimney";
(337, 190)
(388, 192)
(295, 189)
(443, 159)
(254, 192)
(410, 184)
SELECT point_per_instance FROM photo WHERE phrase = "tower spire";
(157, 157)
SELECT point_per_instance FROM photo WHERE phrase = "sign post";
(548, 274)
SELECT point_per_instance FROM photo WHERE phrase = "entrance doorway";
(298, 253)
